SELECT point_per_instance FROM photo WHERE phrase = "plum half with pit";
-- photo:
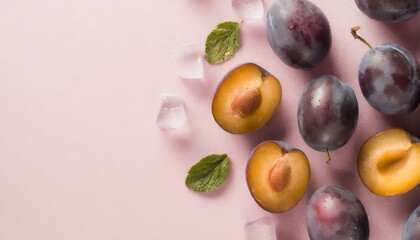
(277, 175)
(246, 99)
(334, 213)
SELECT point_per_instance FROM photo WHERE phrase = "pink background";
(81, 157)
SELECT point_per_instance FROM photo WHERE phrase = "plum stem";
(328, 157)
(356, 36)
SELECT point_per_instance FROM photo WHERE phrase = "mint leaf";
(222, 42)
(209, 173)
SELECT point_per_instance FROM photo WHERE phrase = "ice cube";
(189, 61)
(248, 9)
(261, 228)
(171, 113)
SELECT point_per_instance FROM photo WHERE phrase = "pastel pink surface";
(82, 158)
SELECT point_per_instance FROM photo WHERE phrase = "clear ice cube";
(189, 61)
(248, 9)
(171, 113)
(261, 228)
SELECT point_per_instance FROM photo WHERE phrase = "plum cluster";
(278, 174)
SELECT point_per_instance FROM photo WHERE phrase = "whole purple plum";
(327, 113)
(389, 79)
(298, 32)
(389, 10)
(411, 229)
(334, 213)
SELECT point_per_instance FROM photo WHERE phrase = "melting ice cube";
(248, 9)
(171, 112)
(189, 61)
(261, 228)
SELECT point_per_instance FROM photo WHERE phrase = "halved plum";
(246, 99)
(389, 162)
(277, 175)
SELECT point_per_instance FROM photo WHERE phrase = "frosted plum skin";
(298, 32)
(389, 79)
(389, 11)
(334, 213)
(327, 113)
(411, 229)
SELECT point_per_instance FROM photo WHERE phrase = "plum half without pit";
(277, 175)
(389, 162)
(246, 99)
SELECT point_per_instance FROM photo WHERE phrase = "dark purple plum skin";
(298, 32)
(391, 11)
(411, 229)
(389, 79)
(327, 113)
(334, 213)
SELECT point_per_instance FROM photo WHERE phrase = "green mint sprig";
(209, 173)
(222, 42)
